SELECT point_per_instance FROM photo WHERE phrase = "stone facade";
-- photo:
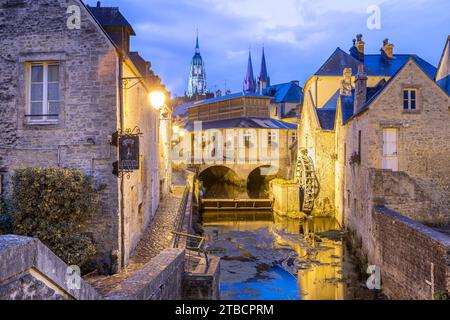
(320, 148)
(344, 126)
(420, 188)
(93, 105)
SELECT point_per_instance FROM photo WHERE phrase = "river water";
(273, 258)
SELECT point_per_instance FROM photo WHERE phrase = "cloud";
(298, 34)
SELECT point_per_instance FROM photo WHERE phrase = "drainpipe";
(122, 184)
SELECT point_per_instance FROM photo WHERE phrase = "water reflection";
(280, 258)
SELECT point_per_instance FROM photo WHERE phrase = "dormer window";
(409, 99)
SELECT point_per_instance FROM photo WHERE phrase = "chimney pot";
(360, 46)
(360, 88)
(388, 49)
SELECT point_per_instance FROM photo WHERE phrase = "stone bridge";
(243, 171)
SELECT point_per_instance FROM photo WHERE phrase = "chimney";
(360, 46)
(99, 4)
(360, 89)
(346, 84)
(388, 49)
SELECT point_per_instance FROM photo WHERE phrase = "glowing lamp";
(157, 99)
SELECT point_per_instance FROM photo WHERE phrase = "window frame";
(408, 101)
(46, 117)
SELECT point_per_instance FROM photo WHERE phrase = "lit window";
(409, 99)
(44, 95)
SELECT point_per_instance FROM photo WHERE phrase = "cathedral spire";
(197, 75)
(263, 79)
(249, 82)
(197, 46)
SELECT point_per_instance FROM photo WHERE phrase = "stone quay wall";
(160, 279)
(30, 271)
(414, 259)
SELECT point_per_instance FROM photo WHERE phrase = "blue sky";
(298, 35)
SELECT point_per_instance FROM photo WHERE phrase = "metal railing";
(194, 250)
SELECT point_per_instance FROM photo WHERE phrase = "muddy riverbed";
(266, 258)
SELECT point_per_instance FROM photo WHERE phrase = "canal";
(273, 258)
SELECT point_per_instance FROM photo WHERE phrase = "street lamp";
(157, 99)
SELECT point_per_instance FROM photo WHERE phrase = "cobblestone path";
(156, 239)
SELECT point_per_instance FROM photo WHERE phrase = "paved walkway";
(156, 239)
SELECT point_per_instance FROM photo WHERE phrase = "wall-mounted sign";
(128, 153)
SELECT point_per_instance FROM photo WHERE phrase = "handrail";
(199, 248)
(181, 215)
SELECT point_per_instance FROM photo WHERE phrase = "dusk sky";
(298, 35)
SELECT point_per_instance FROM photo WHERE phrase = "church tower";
(197, 75)
(249, 82)
(263, 79)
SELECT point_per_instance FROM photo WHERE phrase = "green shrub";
(53, 205)
(6, 221)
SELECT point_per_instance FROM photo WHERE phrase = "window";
(44, 95)
(294, 137)
(409, 99)
(271, 138)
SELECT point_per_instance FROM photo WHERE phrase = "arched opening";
(220, 182)
(258, 182)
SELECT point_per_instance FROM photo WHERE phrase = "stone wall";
(414, 259)
(203, 285)
(30, 271)
(286, 199)
(160, 279)
(320, 146)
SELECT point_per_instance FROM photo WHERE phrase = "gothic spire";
(264, 79)
(263, 74)
(249, 82)
(197, 46)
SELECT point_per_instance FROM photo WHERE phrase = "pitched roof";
(327, 114)
(242, 123)
(110, 17)
(375, 64)
(289, 92)
(326, 118)
(443, 73)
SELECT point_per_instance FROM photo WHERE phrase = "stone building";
(376, 128)
(235, 136)
(68, 83)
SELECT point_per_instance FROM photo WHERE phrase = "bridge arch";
(258, 181)
(221, 182)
